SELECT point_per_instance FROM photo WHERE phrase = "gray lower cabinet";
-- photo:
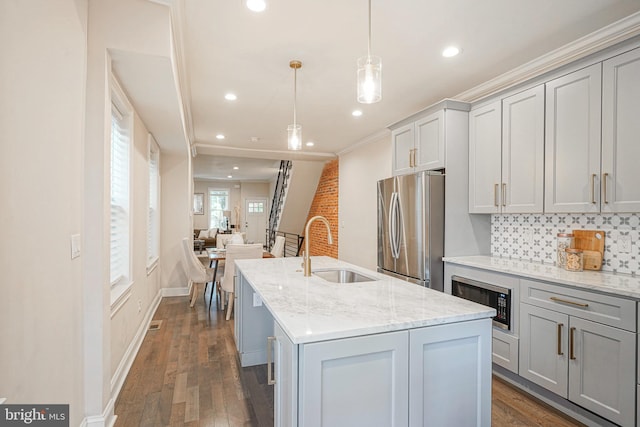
(435, 375)
(252, 324)
(567, 347)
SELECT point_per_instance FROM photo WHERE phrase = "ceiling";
(227, 48)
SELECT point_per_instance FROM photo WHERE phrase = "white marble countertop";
(616, 284)
(312, 309)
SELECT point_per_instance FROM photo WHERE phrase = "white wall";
(360, 170)
(303, 183)
(42, 78)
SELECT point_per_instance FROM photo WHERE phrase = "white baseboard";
(175, 292)
(107, 419)
(129, 356)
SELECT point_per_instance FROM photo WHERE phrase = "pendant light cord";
(369, 41)
(295, 93)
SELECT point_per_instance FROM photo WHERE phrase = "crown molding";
(219, 150)
(375, 137)
(617, 32)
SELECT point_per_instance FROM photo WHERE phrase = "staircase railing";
(292, 242)
(278, 199)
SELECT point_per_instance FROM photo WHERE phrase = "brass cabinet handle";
(411, 158)
(414, 157)
(604, 187)
(593, 188)
(572, 356)
(579, 304)
(560, 325)
(270, 379)
(495, 195)
(504, 194)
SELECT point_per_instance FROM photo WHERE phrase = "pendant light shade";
(369, 74)
(294, 136)
(294, 131)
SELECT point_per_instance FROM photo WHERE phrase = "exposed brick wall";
(325, 203)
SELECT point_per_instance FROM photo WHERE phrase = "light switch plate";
(75, 246)
(257, 301)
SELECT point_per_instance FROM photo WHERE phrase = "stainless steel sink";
(342, 275)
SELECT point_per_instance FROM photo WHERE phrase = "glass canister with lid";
(565, 241)
(575, 260)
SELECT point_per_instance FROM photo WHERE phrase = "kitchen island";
(379, 352)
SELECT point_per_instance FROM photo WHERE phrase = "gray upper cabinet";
(419, 145)
(621, 133)
(572, 146)
(506, 149)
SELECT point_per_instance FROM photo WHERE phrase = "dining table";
(215, 256)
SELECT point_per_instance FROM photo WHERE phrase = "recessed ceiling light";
(235, 168)
(450, 51)
(229, 176)
(310, 144)
(230, 97)
(256, 5)
(219, 136)
(356, 113)
(255, 139)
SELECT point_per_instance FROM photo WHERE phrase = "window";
(256, 207)
(153, 227)
(218, 204)
(119, 184)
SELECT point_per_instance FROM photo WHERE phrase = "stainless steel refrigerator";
(411, 228)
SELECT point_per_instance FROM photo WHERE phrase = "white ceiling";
(227, 48)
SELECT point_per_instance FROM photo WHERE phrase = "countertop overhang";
(311, 309)
(616, 284)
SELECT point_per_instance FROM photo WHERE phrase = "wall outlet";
(624, 244)
(75, 246)
(139, 306)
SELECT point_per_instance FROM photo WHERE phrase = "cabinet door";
(403, 144)
(543, 348)
(450, 369)
(572, 142)
(361, 381)
(429, 142)
(485, 159)
(601, 371)
(621, 133)
(285, 395)
(254, 323)
(523, 152)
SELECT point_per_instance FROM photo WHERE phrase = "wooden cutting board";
(592, 243)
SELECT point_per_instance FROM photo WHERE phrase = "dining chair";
(196, 272)
(234, 252)
(278, 247)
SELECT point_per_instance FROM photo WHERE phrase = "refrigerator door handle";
(393, 224)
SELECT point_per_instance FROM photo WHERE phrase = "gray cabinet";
(506, 149)
(417, 377)
(620, 191)
(419, 145)
(438, 387)
(572, 343)
(253, 323)
(572, 142)
(359, 381)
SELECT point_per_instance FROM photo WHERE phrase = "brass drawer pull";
(579, 304)
(560, 325)
(593, 188)
(504, 194)
(495, 195)
(604, 187)
(572, 356)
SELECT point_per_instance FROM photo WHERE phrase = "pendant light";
(294, 131)
(369, 74)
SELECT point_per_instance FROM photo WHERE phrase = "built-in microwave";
(494, 296)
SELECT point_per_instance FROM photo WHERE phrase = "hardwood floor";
(187, 373)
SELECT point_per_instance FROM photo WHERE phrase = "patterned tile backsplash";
(532, 237)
